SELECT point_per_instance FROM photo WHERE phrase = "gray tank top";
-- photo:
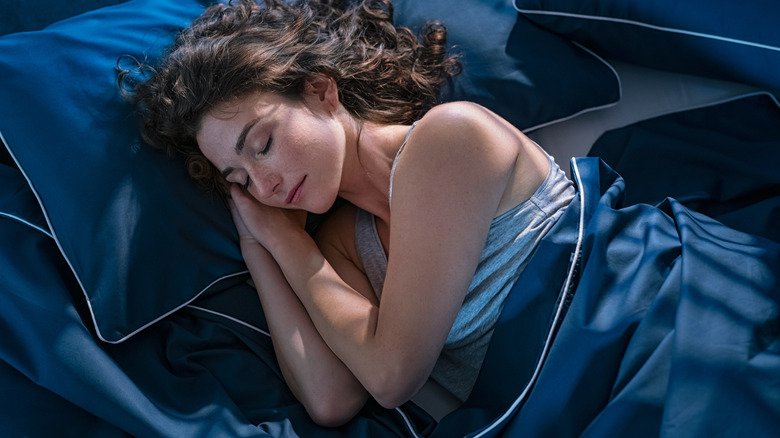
(511, 240)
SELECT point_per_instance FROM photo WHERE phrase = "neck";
(366, 178)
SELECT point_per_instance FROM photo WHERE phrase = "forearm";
(348, 322)
(312, 371)
(391, 348)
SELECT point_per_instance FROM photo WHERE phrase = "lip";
(295, 193)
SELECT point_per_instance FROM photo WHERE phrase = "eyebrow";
(240, 143)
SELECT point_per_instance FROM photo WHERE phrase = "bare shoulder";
(458, 143)
(460, 117)
(463, 129)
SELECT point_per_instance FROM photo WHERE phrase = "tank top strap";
(370, 251)
(395, 162)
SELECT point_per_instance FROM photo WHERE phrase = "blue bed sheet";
(720, 160)
(207, 370)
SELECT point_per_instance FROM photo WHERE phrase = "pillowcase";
(17, 202)
(140, 237)
(723, 39)
(526, 74)
(28, 16)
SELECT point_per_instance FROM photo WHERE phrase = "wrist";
(292, 240)
(248, 243)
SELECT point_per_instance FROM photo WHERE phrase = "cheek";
(317, 145)
(313, 149)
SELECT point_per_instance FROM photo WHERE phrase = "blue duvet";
(629, 321)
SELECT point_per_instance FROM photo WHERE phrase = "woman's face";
(286, 153)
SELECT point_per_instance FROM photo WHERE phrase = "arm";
(445, 197)
(319, 380)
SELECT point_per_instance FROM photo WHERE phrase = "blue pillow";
(17, 202)
(140, 237)
(22, 16)
(723, 39)
(528, 75)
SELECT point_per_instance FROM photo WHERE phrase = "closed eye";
(267, 146)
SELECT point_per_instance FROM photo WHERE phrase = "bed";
(651, 309)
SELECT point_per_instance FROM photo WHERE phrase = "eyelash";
(265, 150)
(267, 146)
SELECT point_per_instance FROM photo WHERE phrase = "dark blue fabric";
(673, 329)
(19, 200)
(141, 239)
(725, 39)
(197, 373)
(138, 234)
(24, 16)
(720, 160)
(526, 74)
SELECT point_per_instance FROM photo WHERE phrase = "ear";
(324, 90)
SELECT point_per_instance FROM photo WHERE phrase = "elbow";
(394, 388)
(392, 401)
(336, 409)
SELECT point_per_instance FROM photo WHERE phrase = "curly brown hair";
(384, 74)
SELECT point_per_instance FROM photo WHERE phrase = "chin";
(319, 210)
(325, 206)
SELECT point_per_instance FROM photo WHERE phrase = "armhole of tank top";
(395, 162)
(369, 247)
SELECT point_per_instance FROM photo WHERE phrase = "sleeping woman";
(287, 107)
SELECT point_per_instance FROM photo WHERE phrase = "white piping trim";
(558, 313)
(25, 222)
(586, 110)
(163, 316)
(572, 266)
(231, 318)
(89, 304)
(403, 415)
(407, 422)
(649, 26)
(53, 235)
(17, 218)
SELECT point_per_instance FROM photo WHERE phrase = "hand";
(256, 222)
(244, 235)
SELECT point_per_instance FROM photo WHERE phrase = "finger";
(239, 198)
(235, 192)
(232, 206)
(234, 211)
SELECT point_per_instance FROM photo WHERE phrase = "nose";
(266, 184)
